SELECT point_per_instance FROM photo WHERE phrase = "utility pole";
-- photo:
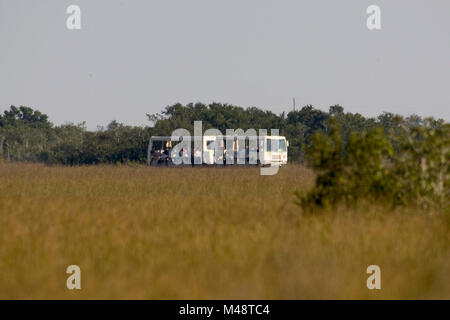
(294, 103)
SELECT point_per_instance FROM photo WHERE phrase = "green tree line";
(28, 135)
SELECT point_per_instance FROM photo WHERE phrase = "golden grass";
(191, 233)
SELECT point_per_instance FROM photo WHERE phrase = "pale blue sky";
(134, 57)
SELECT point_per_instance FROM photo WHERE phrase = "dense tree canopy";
(28, 135)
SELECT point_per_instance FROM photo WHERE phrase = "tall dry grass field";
(205, 233)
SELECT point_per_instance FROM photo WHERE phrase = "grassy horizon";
(206, 233)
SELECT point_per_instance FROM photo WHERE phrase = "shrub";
(366, 167)
(422, 168)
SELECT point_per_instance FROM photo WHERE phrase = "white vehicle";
(268, 150)
(209, 147)
(274, 150)
(159, 151)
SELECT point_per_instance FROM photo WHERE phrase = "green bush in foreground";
(368, 168)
